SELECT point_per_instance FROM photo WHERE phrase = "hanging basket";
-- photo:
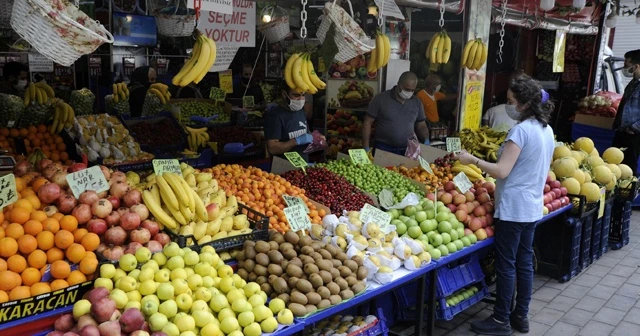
(350, 38)
(277, 29)
(54, 29)
(174, 24)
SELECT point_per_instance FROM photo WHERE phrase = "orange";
(60, 269)
(51, 225)
(63, 239)
(59, 284)
(64, 156)
(3, 265)
(42, 128)
(14, 133)
(75, 253)
(38, 215)
(19, 293)
(20, 184)
(76, 277)
(23, 132)
(29, 192)
(38, 183)
(57, 216)
(45, 240)
(40, 288)
(2, 234)
(54, 254)
(19, 215)
(8, 247)
(14, 230)
(27, 244)
(1, 216)
(9, 280)
(78, 234)
(91, 255)
(4, 297)
(90, 241)
(32, 227)
(34, 200)
(24, 204)
(30, 276)
(4, 132)
(37, 259)
(16, 263)
(32, 129)
(55, 157)
(88, 265)
(69, 223)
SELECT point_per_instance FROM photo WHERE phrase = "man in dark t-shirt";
(285, 125)
(248, 87)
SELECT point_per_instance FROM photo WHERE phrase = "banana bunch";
(380, 54)
(474, 55)
(120, 92)
(36, 156)
(197, 137)
(39, 92)
(161, 91)
(439, 49)
(472, 171)
(483, 142)
(300, 74)
(62, 117)
(202, 58)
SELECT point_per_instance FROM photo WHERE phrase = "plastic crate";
(448, 313)
(585, 244)
(620, 220)
(581, 208)
(628, 194)
(455, 276)
(606, 225)
(257, 221)
(565, 265)
(596, 233)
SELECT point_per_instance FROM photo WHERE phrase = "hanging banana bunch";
(380, 54)
(39, 92)
(474, 55)
(120, 92)
(161, 91)
(439, 49)
(202, 58)
(300, 74)
(62, 117)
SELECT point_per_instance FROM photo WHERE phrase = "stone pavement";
(602, 300)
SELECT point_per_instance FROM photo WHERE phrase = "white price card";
(87, 179)
(8, 191)
(454, 145)
(169, 165)
(297, 218)
(462, 182)
(425, 165)
(292, 200)
(369, 214)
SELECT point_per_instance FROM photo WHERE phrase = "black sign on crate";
(95, 66)
(129, 64)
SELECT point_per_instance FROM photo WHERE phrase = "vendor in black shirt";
(251, 88)
(285, 125)
(141, 79)
(15, 75)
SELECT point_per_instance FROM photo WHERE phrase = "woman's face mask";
(512, 111)
(22, 84)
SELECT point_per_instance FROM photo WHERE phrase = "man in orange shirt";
(430, 95)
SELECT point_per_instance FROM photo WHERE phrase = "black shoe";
(520, 324)
(490, 326)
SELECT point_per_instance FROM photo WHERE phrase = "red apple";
(547, 188)
(162, 238)
(481, 234)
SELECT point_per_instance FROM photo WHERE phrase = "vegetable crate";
(558, 255)
(451, 278)
(449, 312)
(585, 244)
(620, 220)
(606, 226)
(257, 221)
(628, 194)
(581, 208)
(596, 237)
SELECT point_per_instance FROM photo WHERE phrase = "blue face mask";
(512, 112)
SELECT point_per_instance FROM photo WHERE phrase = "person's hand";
(304, 139)
(466, 158)
(427, 142)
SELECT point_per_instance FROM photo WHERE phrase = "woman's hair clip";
(545, 96)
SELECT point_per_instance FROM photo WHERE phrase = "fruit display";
(379, 55)
(338, 145)
(262, 192)
(81, 101)
(161, 91)
(152, 105)
(157, 132)
(63, 116)
(300, 74)
(460, 295)
(474, 54)
(37, 140)
(197, 138)
(483, 142)
(555, 196)
(344, 123)
(203, 109)
(39, 93)
(303, 274)
(202, 58)
(372, 179)
(352, 69)
(120, 92)
(173, 292)
(353, 94)
(441, 175)
(472, 171)
(571, 74)
(439, 49)
(338, 325)
(329, 189)
(10, 109)
(603, 104)
(103, 137)
(232, 134)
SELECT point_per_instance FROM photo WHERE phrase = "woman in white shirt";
(521, 172)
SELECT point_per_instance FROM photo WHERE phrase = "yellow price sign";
(166, 165)
(297, 218)
(296, 160)
(472, 105)
(226, 81)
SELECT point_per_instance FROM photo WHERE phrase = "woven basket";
(47, 26)
(350, 38)
(175, 25)
(276, 29)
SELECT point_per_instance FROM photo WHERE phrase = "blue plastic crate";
(452, 277)
(585, 244)
(596, 232)
(448, 313)
(620, 220)
(606, 224)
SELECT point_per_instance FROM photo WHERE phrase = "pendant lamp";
(547, 5)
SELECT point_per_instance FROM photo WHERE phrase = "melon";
(625, 171)
(602, 174)
(611, 185)
(584, 144)
(579, 176)
(591, 191)
(625, 184)
(564, 167)
(578, 155)
(614, 169)
(572, 185)
(552, 175)
(560, 152)
(587, 177)
(594, 161)
(613, 155)
(594, 152)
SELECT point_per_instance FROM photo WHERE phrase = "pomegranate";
(132, 197)
(113, 218)
(49, 193)
(102, 208)
(88, 197)
(113, 252)
(140, 235)
(162, 238)
(76, 167)
(118, 176)
(22, 168)
(115, 236)
(97, 226)
(82, 213)
(119, 189)
(50, 210)
(141, 210)
(66, 203)
(150, 225)
(130, 221)
(43, 164)
(132, 247)
(106, 172)
(115, 202)
(154, 246)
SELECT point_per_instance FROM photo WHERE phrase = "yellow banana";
(483, 58)
(179, 217)
(465, 53)
(209, 61)
(304, 72)
(188, 66)
(380, 50)
(200, 65)
(114, 88)
(201, 210)
(440, 48)
(434, 49)
(297, 75)
(477, 61)
(47, 89)
(176, 186)
(56, 120)
(155, 192)
(32, 90)
(387, 49)
(156, 210)
(167, 195)
(27, 97)
(288, 70)
(186, 212)
(372, 66)
(446, 53)
(39, 96)
(313, 76)
(159, 95)
(472, 55)
(186, 188)
(428, 51)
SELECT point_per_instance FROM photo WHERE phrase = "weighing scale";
(6, 163)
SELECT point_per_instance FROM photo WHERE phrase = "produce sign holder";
(128, 122)
(620, 220)
(257, 221)
(628, 194)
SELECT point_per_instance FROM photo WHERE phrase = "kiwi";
(307, 259)
(316, 256)
(346, 294)
(313, 298)
(342, 283)
(292, 282)
(358, 287)
(259, 279)
(284, 264)
(291, 237)
(362, 273)
(289, 254)
(316, 280)
(304, 286)
(284, 297)
(351, 280)
(353, 266)
(324, 292)
(240, 256)
(304, 241)
(252, 277)
(297, 309)
(275, 269)
(335, 299)
(323, 304)
(266, 287)
(262, 246)
(332, 249)
(298, 298)
(262, 259)
(326, 277)
(325, 254)
(310, 269)
(249, 243)
(358, 259)
(340, 256)
(311, 308)
(324, 265)
(248, 265)
(294, 271)
(275, 256)
(243, 273)
(272, 278)
(316, 246)
(306, 250)
(296, 262)
(280, 286)
(250, 253)
(285, 246)
(344, 271)
(278, 238)
(336, 263)
(333, 287)
(260, 270)
(334, 273)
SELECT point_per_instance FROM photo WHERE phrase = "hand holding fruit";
(466, 158)
(304, 139)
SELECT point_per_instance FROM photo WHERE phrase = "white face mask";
(406, 94)
(296, 105)
(22, 83)
(512, 112)
(437, 88)
(628, 72)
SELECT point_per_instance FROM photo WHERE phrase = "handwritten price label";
(217, 94)
(293, 201)
(296, 160)
(170, 165)
(369, 213)
(8, 192)
(462, 182)
(226, 81)
(297, 217)
(248, 102)
(425, 165)
(454, 145)
(87, 179)
(359, 156)
(603, 196)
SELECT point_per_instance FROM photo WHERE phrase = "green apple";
(203, 269)
(253, 329)
(148, 287)
(189, 271)
(194, 281)
(446, 238)
(459, 244)
(202, 317)
(120, 273)
(443, 250)
(224, 270)
(134, 295)
(460, 230)
(165, 291)
(285, 316)
(214, 273)
(163, 275)
(226, 312)
(235, 294)
(127, 284)
(179, 273)
(421, 216)
(452, 247)
(250, 289)
(175, 262)
(184, 301)
(159, 258)
(240, 305)
(454, 235)
(226, 284)
(150, 264)
(135, 274)
(128, 262)
(180, 286)
(119, 297)
(149, 307)
(430, 233)
(148, 298)
(146, 274)
(80, 308)
(261, 313)
(237, 281)
(401, 228)
(200, 305)
(202, 293)
(211, 329)
(207, 281)
(465, 241)
(269, 325)
(185, 323)
(132, 304)
(410, 210)
(431, 213)
(444, 226)
(172, 249)
(472, 238)
(218, 302)
(171, 329)
(103, 282)
(229, 324)
(435, 240)
(157, 321)
(191, 258)
(169, 308)
(246, 318)
(143, 254)
(414, 232)
(435, 253)
(256, 300)
(107, 271)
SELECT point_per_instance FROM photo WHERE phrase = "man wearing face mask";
(627, 120)
(398, 115)
(430, 95)
(248, 84)
(285, 125)
(15, 81)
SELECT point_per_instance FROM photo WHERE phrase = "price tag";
(359, 156)
(386, 198)
(369, 213)
(603, 196)
(217, 94)
(462, 182)
(296, 160)
(248, 102)
(8, 192)
(297, 217)
(454, 145)
(293, 201)
(226, 81)
(169, 165)
(87, 179)
(425, 165)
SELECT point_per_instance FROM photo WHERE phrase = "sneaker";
(491, 326)
(519, 323)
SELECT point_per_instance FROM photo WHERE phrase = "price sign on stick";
(217, 94)
(292, 201)
(87, 179)
(296, 160)
(297, 217)
(8, 192)
(169, 165)
(454, 145)
(462, 182)
(248, 102)
(359, 156)
(425, 165)
(603, 197)
(369, 213)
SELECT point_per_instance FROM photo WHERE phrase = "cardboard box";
(595, 121)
